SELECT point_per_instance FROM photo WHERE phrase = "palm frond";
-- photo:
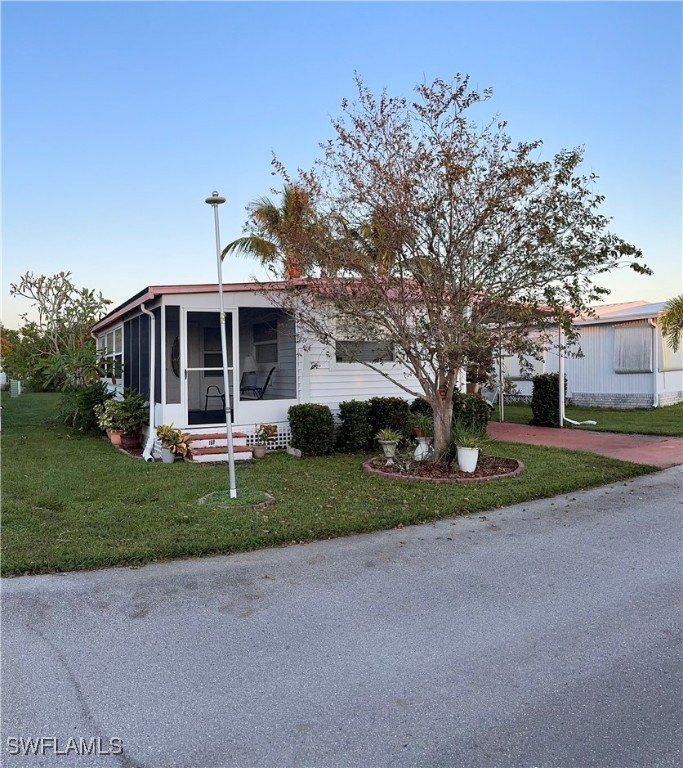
(252, 245)
(265, 212)
(671, 321)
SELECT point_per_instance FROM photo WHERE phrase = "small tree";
(436, 235)
(57, 348)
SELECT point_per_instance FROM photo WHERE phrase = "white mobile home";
(165, 342)
(626, 363)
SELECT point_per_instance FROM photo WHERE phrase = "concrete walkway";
(640, 449)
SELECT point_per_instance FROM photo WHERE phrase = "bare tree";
(436, 235)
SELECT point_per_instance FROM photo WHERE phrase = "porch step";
(219, 453)
(214, 435)
(213, 446)
(216, 440)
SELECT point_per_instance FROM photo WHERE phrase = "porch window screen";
(265, 342)
(136, 354)
(364, 351)
(633, 349)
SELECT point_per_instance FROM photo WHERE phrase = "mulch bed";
(488, 468)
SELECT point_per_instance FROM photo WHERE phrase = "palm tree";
(671, 321)
(279, 231)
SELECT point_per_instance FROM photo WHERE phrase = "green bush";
(545, 400)
(312, 428)
(77, 407)
(470, 411)
(389, 413)
(355, 432)
(133, 411)
(421, 406)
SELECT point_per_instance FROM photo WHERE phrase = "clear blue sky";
(118, 119)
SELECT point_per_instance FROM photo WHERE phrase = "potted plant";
(468, 441)
(108, 419)
(423, 429)
(264, 434)
(174, 442)
(480, 368)
(388, 439)
(133, 414)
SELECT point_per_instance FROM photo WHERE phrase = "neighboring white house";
(626, 363)
(166, 339)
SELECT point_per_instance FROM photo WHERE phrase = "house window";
(110, 348)
(265, 342)
(633, 349)
(364, 351)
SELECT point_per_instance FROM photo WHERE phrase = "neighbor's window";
(364, 351)
(633, 349)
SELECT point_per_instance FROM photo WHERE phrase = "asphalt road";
(546, 634)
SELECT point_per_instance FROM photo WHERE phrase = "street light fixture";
(214, 201)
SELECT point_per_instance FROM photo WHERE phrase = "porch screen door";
(204, 385)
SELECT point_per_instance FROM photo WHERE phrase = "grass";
(640, 421)
(73, 503)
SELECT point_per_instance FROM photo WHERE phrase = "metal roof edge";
(154, 291)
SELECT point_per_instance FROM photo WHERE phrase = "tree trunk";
(443, 416)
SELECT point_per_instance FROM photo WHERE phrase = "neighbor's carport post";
(214, 201)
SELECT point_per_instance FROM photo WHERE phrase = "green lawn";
(652, 421)
(76, 503)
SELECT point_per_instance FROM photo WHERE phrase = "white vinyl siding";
(331, 383)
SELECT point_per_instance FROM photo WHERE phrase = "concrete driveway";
(545, 634)
(641, 449)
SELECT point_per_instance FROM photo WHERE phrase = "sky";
(120, 118)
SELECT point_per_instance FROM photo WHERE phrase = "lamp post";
(214, 201)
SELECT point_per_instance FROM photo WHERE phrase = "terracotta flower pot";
(258, 451)
(115, 436)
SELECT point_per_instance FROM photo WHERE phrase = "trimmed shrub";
(545, 400)
(471, 412)
(312, 428)
(421, 406)
(355, 432)
(389, 413)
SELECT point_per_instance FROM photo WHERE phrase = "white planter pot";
(389, 448)
(166, 456)
(423, 450)
(467, 459)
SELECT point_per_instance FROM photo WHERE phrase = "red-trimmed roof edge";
(153, 291)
